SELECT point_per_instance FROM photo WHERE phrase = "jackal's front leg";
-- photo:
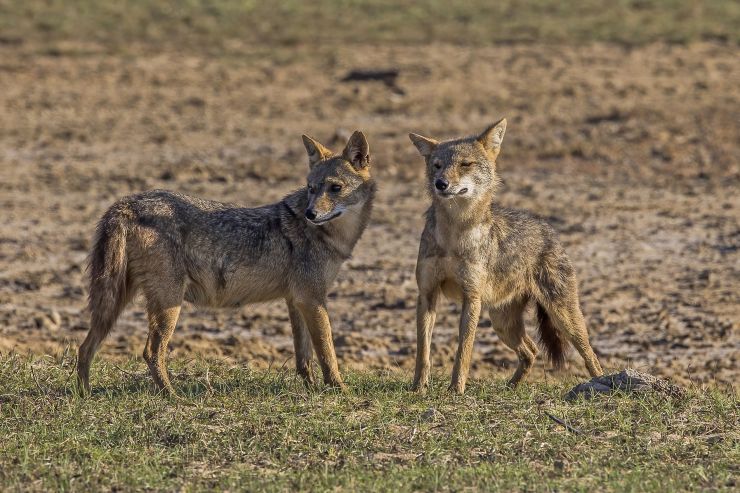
(317, 321)
(426, 314)
(302, 344)
(468, 323)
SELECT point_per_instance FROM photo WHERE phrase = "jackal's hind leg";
(163, 310)
(509, 325)
(568, 320)
(161, 326)
(102, 320)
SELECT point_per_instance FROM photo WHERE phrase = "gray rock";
(431, 415)
(628, 380)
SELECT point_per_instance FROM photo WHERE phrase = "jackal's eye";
(335, 188)
(311, 189)
(466, 164)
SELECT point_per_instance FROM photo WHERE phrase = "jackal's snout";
(322, 209)
(445, 187)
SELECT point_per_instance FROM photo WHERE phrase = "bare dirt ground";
(632, 154)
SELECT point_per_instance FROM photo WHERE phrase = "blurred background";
(623, 132)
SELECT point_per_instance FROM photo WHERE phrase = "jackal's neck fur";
(343, 233)
(461, 227)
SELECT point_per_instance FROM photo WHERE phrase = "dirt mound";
(629, 380)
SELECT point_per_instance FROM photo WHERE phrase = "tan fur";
(173, 247)
(489, 257)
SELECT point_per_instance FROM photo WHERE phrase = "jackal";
(173, 247)
(487, 256)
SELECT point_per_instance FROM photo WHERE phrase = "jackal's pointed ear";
(425, 145)
(492, 137)
(357, 150)
(316, 151)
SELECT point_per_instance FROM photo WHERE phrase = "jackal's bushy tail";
(550, 338)
(108, 287)
(107, 266)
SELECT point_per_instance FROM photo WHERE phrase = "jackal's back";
(228, 254)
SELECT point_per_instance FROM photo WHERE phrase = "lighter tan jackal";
(487, 256)
(173, 247)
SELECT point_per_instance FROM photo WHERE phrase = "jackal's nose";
(441, 184)
(310, 214)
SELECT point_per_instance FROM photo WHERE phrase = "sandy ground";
(633, 155)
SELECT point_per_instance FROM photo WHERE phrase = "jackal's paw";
(456, 388)
(337, 385)
(167, 391)
(512, 384)
(307, 377)
(420, 387)
(82, 389)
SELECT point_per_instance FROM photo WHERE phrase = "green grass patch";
(217, 24)
(241, 429)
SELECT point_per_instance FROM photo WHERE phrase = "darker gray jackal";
(172, 247)
(490, 257)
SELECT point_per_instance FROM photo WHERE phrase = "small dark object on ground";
(387, 76)
(628, 380)
(563, 423)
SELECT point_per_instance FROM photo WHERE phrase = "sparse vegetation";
(219, 24)
(239, 429)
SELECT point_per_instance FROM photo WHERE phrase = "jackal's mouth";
(322, 220)
(449, 194)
